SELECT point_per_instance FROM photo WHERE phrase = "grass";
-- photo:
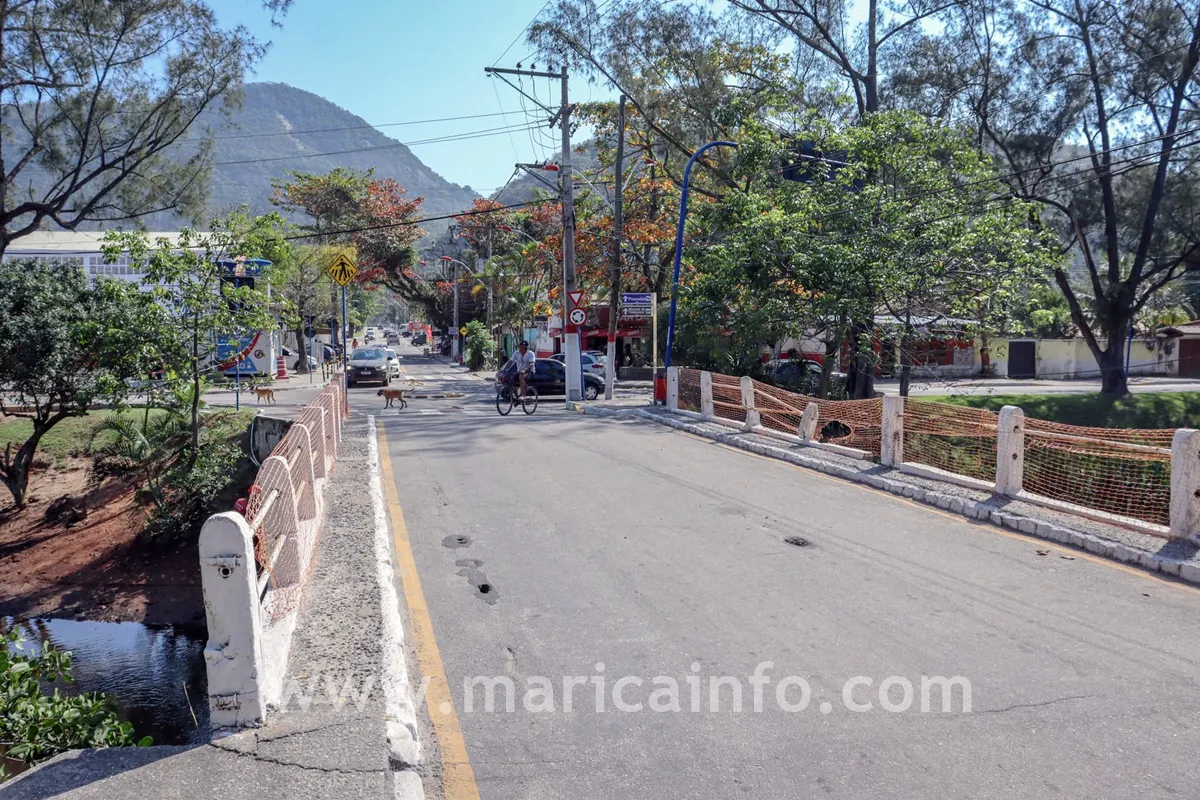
(1146, 410)
(69, 438)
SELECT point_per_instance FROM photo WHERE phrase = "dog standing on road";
(267, 392)
(391, 395)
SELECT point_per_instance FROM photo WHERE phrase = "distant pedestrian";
(627, 359)
(354, 343)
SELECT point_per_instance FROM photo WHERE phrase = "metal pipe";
(683, 199)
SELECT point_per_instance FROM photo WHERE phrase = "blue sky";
(399, 60)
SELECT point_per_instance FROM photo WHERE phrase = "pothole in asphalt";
(457, 541)
(797, 541)
(485, 589)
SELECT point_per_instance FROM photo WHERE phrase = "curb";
(978, 511)
(404, 743)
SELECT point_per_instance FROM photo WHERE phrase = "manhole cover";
(797, 541)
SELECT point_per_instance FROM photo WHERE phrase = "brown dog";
(267, 392)
(390, 395)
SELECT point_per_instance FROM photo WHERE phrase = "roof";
(1187, 329)
(76, 242)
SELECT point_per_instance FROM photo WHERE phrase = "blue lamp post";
(687, 174)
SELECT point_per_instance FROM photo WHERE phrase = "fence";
(1148, 480)
(254, 568)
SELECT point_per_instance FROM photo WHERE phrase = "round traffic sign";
(577, 316)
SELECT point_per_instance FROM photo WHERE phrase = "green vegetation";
(37, 723)
(1147, 410)
(479, 346)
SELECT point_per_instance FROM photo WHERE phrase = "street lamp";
(683, 199)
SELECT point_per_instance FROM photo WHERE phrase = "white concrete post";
(233, 654)
(706, 398)
(891, 451)
(753, 420)
(1185, 484)
(1010, 451)
(673, 388)
(807, 429)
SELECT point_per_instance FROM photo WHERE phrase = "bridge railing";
(255, 566)
(1147, 480)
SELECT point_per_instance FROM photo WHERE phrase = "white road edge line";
(404, 744)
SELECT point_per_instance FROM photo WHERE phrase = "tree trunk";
(862, 361)
(302, 363)
(1112, 368)
(16, 477)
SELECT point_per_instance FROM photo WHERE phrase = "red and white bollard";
(281, 372)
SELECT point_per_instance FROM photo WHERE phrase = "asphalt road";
(660, 554)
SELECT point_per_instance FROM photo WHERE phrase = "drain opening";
(484, 588)
(797, 541)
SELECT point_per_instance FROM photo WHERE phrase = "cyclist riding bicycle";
(522, 361)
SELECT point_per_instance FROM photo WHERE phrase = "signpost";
(342, 271)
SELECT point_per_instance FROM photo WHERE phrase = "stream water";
(154, 674)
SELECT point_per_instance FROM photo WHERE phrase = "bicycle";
(506, 397)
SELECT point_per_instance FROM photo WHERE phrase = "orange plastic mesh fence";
(284, 507)
(689, 389)
(851, 423)
(954, 438)
(727, 397)
(1120, 471)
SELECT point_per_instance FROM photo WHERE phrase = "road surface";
(616, 549)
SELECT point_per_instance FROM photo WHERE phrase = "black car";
(550, 378)
(369, 365)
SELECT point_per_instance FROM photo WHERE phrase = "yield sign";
(575, 296)
(342, 270)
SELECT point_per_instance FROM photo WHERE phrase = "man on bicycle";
(522, 361)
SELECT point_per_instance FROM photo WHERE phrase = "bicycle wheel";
(530, 400)
(504, 401)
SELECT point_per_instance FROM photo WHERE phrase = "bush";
(194, 486)
(479, 344)
(35, 725)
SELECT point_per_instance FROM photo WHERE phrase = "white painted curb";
(404, 744)
(1187, 571)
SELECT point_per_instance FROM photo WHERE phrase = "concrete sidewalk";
(330, 738)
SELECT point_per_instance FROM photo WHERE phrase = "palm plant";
(126, 447)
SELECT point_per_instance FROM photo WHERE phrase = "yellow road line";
(1045, 544)
(458, 778)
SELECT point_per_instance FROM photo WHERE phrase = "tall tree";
(66, 345)
(1092, 107)
(96, 101)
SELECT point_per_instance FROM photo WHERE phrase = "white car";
(393, 363)
(593, 364)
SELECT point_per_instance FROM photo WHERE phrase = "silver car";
(369, 365)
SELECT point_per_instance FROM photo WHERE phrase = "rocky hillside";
(279, 120)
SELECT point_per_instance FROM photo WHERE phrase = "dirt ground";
(97, 569)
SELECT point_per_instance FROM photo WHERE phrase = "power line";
(406, 223)
(517, 38)
(364, 127)
(450, 138)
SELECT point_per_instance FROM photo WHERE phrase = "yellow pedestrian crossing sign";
(342, 270)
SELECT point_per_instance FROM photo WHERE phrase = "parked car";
(550, 378)
(801, 375)
(287, 354)
(590, 362)
(369, 365)
(419, 338)
(393, 364)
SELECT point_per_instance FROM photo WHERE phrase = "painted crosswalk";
(430, 412)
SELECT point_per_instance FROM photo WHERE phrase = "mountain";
(278, 120)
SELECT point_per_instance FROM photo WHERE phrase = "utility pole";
(570, 332)
(563, 118)
(614, 294)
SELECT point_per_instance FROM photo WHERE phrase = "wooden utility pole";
(614, 292)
